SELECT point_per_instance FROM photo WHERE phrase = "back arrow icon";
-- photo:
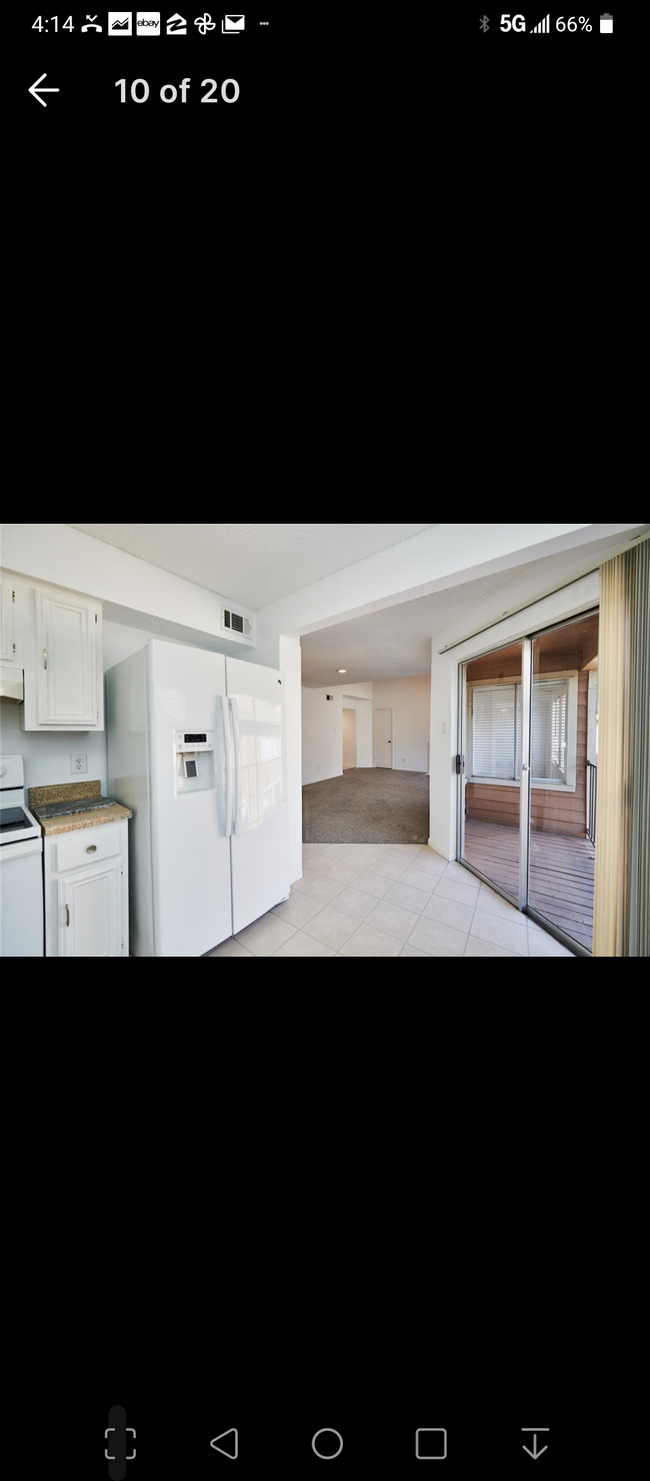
(35, 90)
(535, 1452)
(232, 1438)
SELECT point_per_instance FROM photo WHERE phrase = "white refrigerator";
(196, 749)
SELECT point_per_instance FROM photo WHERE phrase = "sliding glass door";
(528, 718)
(564, 778)
(491, 814)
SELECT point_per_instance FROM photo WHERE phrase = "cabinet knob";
(92, 848)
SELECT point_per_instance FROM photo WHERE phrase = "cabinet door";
(89, 912)
(6, 621)
(65, 661)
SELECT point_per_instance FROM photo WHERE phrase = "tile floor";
(389, 900)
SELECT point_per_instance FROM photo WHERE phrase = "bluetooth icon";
(485, 24)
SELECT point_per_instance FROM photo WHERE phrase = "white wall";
(46, 758)
(121, 641)
(410, 701)
(291, 664)
(566, 603)
(322, 731)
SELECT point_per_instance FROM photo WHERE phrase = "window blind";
(549, 737)
(496, 731)
(493, 732)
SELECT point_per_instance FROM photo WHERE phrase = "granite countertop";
(71, 822)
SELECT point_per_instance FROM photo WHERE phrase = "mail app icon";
(233, 24)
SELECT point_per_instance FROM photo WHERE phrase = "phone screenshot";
(94, 76)
(386, 1286)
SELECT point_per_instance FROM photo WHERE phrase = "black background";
(311, 1207)
(382, 180)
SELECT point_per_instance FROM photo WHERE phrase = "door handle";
(227, 740)
(67, 915)
(45, 658)
(236, 743)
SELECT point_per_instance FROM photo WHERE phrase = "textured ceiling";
(397, 641)
(252, 564)
(394, 642)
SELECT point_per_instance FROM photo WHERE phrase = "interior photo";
(320, 740)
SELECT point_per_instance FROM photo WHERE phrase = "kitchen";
(152, 767)
(70, 766)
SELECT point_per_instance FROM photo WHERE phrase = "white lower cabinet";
(87, 892)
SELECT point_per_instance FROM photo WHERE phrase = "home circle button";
(327, 1444)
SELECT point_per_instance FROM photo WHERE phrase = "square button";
(431, 1444)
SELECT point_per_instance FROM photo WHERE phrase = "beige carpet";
(367, 805)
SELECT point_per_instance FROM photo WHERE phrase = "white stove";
(21, 867)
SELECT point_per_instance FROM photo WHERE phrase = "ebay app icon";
(147, 23)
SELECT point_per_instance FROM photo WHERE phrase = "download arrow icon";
(36, 91)
(535, 1453)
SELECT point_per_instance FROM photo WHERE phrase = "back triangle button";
(227, 1444)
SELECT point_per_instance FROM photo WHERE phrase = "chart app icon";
(120, 23)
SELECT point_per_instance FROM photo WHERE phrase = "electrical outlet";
(78, 763)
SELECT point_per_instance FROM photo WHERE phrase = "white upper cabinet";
(62, 658)
(65, 640)
(7, 639)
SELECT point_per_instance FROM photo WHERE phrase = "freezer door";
(260, 837)
(190, 847)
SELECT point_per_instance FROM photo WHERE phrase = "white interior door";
(384, 738)
(349, 739)
(260, 836)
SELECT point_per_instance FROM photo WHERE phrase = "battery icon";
(606, 23)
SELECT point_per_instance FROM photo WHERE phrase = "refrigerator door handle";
(237, 748)
(227, 743)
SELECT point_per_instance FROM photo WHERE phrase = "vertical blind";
(496, 731)
(622, 895)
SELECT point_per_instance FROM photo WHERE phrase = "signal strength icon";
(544, 26)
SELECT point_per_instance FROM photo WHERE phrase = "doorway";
(528, 771)
(384, 738)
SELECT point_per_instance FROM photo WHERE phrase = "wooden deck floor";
(561, 873)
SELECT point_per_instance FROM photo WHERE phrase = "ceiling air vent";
(234, 622)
